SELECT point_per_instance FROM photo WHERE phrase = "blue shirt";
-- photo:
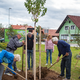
(9, 57)
(63, 47)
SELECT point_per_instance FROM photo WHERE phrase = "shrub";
(3, 45)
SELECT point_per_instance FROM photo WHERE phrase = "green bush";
(3, 45)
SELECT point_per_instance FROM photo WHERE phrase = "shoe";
(51, 63)
(8, 74)
(79, 77)
(18, 70)
(65, 79)
(28, 68)
(59, 76)
(46, 64)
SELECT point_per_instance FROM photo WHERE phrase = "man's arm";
(17, 43)
(10, 66)
(67, 46)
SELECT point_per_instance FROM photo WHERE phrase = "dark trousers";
(1, 71)
(66, 63)
(14, 63)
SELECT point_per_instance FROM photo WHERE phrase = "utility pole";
(9, 16)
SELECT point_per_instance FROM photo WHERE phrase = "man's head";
(19, 36)
(29, 34)
(55, 40)
(17, 57)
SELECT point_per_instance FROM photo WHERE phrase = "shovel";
(56, 62)
(14, 72)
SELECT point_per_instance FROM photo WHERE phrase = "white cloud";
(56, 12)
(66, 4)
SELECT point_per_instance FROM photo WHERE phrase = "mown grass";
(75, 72)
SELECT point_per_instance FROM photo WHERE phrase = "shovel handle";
(13, 71)
(56, 62)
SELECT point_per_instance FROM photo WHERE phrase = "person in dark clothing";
(30, 42)
(11, 47)
(64, 49)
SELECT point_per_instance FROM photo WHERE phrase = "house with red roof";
(30, 28)
(69, 28)
(52, 32)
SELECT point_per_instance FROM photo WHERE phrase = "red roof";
(75, 19)
(27, 27)
(52, 32)
(20, 27)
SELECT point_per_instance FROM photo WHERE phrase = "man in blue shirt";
(64, 49)
(8, 58)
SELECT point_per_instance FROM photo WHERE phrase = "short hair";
(19, 34)
(29, 33)
(17, 57)
(54, 39)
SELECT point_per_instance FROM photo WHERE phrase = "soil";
(45, 75)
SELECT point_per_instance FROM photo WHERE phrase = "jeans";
(30, 54)
(1, 71)
(66, 63)
(47, 55)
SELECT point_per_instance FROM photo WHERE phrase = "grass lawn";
(75, 72)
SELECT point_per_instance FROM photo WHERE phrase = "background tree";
(10, 33)
(1, 31)
(77, 38)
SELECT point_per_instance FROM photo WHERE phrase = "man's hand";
(58, 59)
(24, 51)
(67, 54)
(23, 42)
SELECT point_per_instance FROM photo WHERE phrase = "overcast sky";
(57, 10)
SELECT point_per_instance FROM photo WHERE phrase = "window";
(73, 27)
(64, 36)
(46, 30)
(66, 27)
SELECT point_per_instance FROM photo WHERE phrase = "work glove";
(0, 61)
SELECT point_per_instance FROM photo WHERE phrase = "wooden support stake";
(22, 57)
(40, 53)
(13, 71)
(26, 49)
(34, 53)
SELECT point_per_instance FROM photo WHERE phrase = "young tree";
(36, 8)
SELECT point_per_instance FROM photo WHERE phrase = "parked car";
(1, 39)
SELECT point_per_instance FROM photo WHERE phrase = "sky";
(57, 10)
